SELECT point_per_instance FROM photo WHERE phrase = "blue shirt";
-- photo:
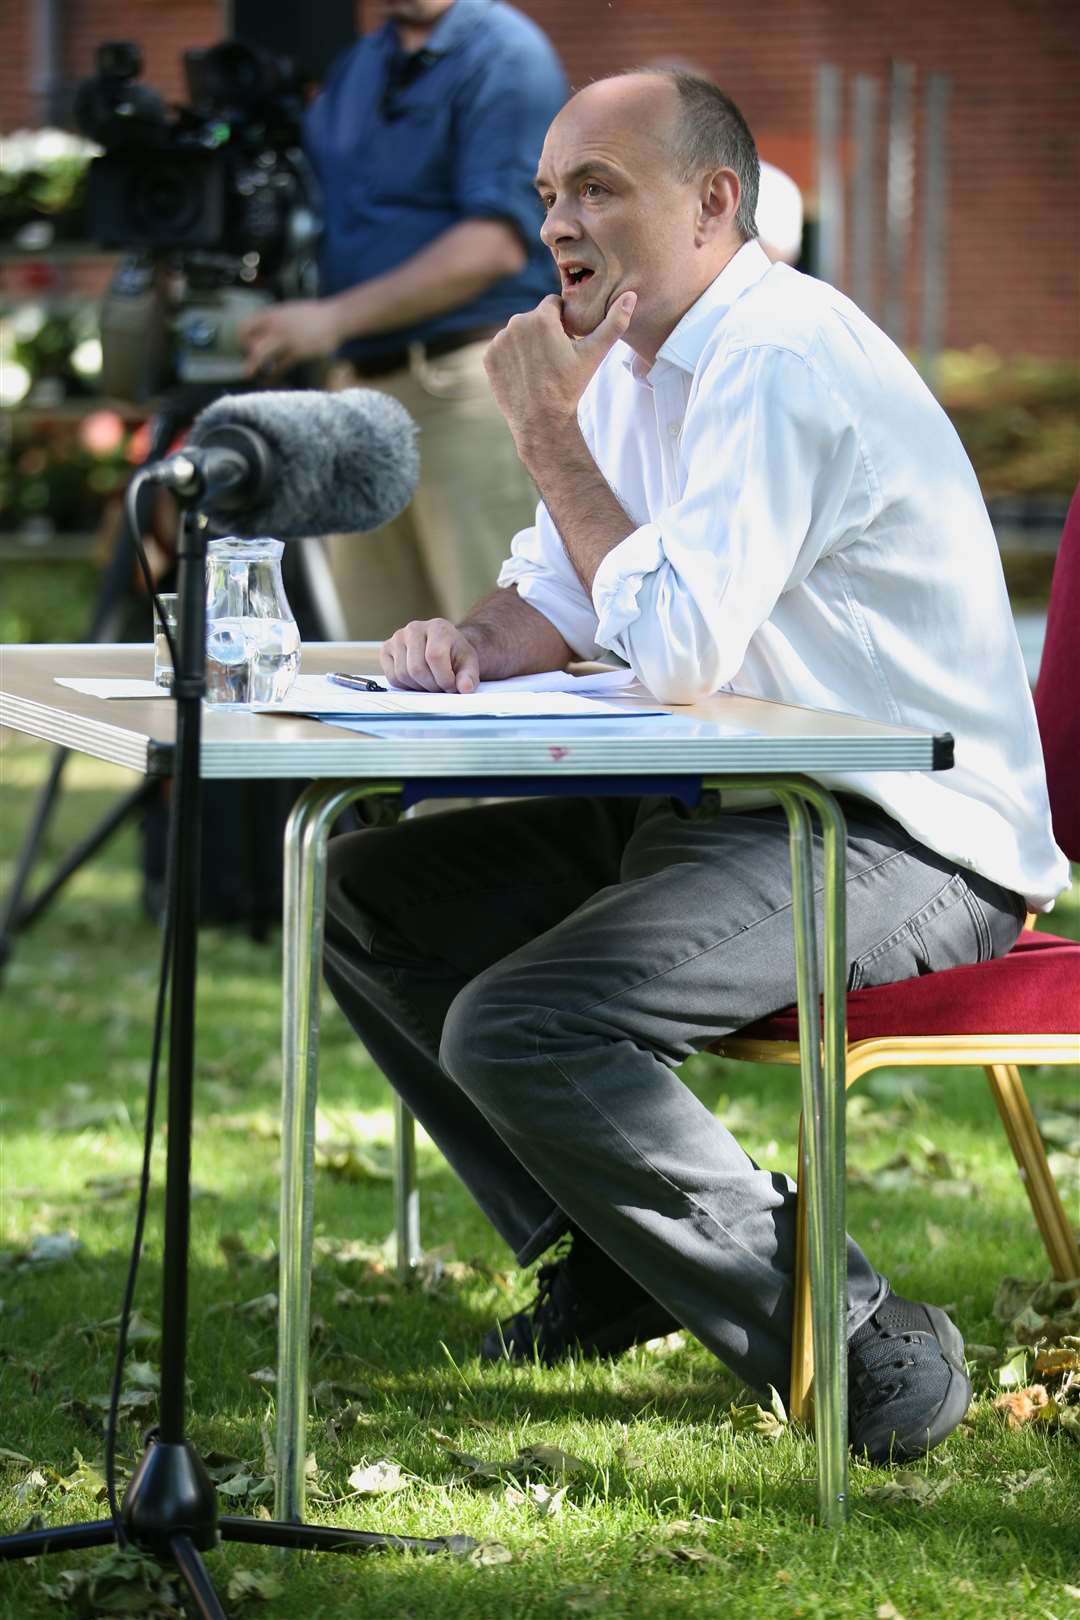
(406, 146)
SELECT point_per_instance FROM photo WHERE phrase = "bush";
(1019, 421)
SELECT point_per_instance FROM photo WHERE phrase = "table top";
(726, 734)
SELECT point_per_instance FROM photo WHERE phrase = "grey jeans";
(529, 976)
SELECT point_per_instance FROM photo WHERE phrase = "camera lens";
(167, 200)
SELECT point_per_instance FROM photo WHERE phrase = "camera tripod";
(170, 1506)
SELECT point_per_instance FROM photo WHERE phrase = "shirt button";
(673, 429)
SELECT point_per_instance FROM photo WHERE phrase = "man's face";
(618, 220)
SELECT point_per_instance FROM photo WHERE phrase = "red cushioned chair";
(1021, 1008)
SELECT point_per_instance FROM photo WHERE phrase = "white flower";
(32, 148)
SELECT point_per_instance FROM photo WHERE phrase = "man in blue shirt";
(425, 141)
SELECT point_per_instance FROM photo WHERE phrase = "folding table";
(733, 742)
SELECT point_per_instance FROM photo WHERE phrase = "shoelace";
(870, 1360)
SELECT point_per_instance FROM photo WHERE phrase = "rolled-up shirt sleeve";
(504, 112)
(544, 576)
(768, 462)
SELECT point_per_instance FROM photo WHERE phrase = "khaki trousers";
(443, 553)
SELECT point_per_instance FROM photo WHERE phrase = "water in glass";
(252, 643)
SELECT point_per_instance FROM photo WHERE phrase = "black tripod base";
(165, 1481)
(170, 1495)
(170, 1509)
(326, 1538)
(259, 1532)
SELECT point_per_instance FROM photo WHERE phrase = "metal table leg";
(823, 1104)
(302, 940)
(822, 1068)
(823, 1164)
(406, 1193)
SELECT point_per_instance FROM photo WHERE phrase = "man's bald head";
(700, 126)
(642, 107)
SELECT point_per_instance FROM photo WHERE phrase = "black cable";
(112, 1419)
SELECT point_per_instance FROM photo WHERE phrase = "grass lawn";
(675, 1506)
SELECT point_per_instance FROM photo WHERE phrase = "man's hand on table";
(431, 655)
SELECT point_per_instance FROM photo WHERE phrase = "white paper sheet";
(627, 723)
(458, 706)
(551, 680)
(554, 695)
(114, 688)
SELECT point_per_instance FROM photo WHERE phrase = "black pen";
(358, 683)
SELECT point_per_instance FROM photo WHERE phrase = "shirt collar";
(453, 25)
(683, 347)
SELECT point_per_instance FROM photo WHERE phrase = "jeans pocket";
(951, 930)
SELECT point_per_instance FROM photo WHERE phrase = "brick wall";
(1014, 219)
(163, 28)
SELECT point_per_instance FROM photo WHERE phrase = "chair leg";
(1026, 1143)
(406, 1195)
(800, 1403)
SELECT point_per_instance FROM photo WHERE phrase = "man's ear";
(718, 204)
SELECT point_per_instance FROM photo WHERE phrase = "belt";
(381, 365)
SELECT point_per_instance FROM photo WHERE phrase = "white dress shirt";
(810, 530)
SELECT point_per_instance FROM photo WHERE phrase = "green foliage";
(46, 600)
(1019, 420)
(643, 1489)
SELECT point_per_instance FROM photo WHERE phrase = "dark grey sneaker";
(585, 1305)
(908, 1387)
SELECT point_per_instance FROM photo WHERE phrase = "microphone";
(298, 463)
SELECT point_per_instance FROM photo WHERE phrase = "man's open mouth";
(574, 275)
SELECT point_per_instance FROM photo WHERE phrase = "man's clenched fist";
(431, 655)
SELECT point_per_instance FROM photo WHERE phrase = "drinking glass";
(165, 608)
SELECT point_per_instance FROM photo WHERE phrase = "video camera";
(214, 204)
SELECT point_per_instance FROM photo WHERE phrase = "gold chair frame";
(1000, 1056)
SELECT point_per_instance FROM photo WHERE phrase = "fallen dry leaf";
(1059, 1359)
(376, 1479)
(252, 1586)
(1068, 1421)
(981, 1354)
(1020, 1481)
(550, 1460)
(490, 1552)
(1013, 1373)
(1023, 1405)
(589, 1599)
(546, 1502)
(908, 1486)
(771, 1423)
(1013, 1295)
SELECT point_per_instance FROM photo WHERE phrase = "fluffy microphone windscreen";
(340, 463)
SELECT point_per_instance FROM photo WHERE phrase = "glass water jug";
(252, 643)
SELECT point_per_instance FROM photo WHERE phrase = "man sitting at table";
(744, 487)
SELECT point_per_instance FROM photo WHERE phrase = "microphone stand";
(170, 1506)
